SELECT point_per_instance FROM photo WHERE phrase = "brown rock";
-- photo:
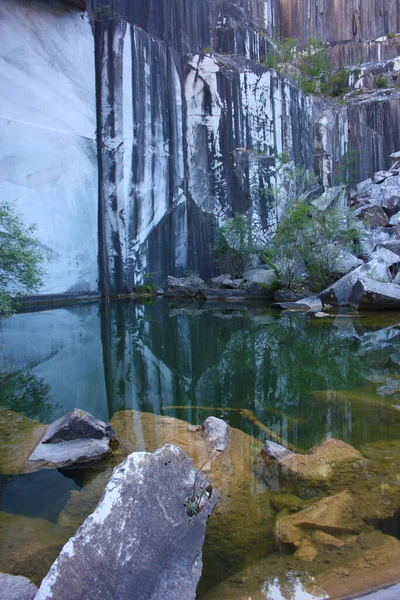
(306, 552)
(318, 464)
(332, 515)
(326, 539)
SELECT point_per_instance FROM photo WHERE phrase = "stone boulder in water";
(145, 538)
(368, 294)
(77, 437)
(183, 287)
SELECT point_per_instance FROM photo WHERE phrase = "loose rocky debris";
(13, 587)
(75, 438)
(141, 535)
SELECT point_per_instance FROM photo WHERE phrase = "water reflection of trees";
(27, 394)
(267, 362)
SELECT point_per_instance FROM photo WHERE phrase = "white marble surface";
(48, 160)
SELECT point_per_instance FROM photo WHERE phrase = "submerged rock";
(141, 535)
(274, 451)
(332, 515)
(77, 437)
(19, 436)
(314, 467)
(14, 587)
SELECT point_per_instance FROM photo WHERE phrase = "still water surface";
(290, 376)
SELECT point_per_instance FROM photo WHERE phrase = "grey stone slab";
(15, 587)
(65, 454)
(389, 593)
(75, 425)
(141, 541)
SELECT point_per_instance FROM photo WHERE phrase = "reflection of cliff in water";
(189, 362)
(299, 376)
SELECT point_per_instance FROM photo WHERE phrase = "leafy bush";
(147, 289)
(314, 240)
(381, 81)
(310, 67)
(21, 257)
(234, 245)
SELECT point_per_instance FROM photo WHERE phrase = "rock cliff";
(134, 130)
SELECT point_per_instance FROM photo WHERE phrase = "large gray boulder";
(264, 275)
(258, 283)
(183, 287)
(371, 294)
(77, 437)
(15, 587)
(373, 216)
(334, 196)
(75, 425)
(145, 538)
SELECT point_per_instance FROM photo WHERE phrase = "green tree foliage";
(310, 66)
(234, 245)
(27, 394)
(21, 258)
(312, 241)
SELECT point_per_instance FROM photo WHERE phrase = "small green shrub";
(147, 289)
(207, 50)
(314, 239)
(103, 12)
(233, 245)
(381, 81)
(391, 35)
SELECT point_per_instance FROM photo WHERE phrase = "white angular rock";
(334, 196)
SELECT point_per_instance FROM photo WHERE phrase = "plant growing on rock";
(21, 258)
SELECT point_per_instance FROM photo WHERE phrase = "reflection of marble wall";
(299, 377)
(63, 347)
(48, 157)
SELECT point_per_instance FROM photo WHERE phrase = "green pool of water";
(287, 376)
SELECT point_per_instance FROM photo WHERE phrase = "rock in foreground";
(141, 541)
(14, 587)
(77, 437)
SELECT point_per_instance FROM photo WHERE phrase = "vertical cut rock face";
(238, 117)
(141, 541)
(374, 123)
(339, 20)
(48, 158)
(142, 200)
